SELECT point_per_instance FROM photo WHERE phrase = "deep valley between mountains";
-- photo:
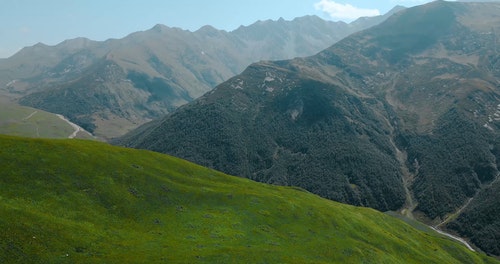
(401, 115)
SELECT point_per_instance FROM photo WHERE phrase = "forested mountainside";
(404, 115)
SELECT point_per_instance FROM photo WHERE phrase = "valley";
(375, 141)
(407, 178)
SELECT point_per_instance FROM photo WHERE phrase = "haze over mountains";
(113, 86)
(403, 116)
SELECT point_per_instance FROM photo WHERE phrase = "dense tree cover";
(452, 162)
(480, 221)
(422, 80)
(303, 137)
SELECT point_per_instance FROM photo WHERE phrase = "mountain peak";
(207, 29)
(312, 19)
(76, 43)
(40, 45)
(395, 9)
(35, 48)
(160, 28)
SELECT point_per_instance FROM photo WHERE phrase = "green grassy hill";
(73, 201)
(30, 122)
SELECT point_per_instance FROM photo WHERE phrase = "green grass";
(24, 121)
(74, 201)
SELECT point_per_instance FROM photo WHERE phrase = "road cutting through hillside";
(76, 127)
(461, 240)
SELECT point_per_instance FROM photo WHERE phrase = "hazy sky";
(27, 22)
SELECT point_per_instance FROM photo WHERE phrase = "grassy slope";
(67, 201)
(18, 120)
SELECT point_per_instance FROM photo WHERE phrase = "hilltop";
(111, 204)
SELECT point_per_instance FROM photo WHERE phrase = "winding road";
(76, 127)
(461, 240)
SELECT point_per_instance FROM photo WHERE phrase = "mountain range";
(402, 116)
(110, 87)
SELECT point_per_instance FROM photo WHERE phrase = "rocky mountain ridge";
(113, 86)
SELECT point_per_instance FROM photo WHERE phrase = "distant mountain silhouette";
(113, 86)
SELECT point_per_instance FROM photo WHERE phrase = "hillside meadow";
(76, 201)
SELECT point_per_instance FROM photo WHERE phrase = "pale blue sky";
(27, 22)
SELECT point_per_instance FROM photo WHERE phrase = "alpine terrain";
(402, 116)
(113, 86)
